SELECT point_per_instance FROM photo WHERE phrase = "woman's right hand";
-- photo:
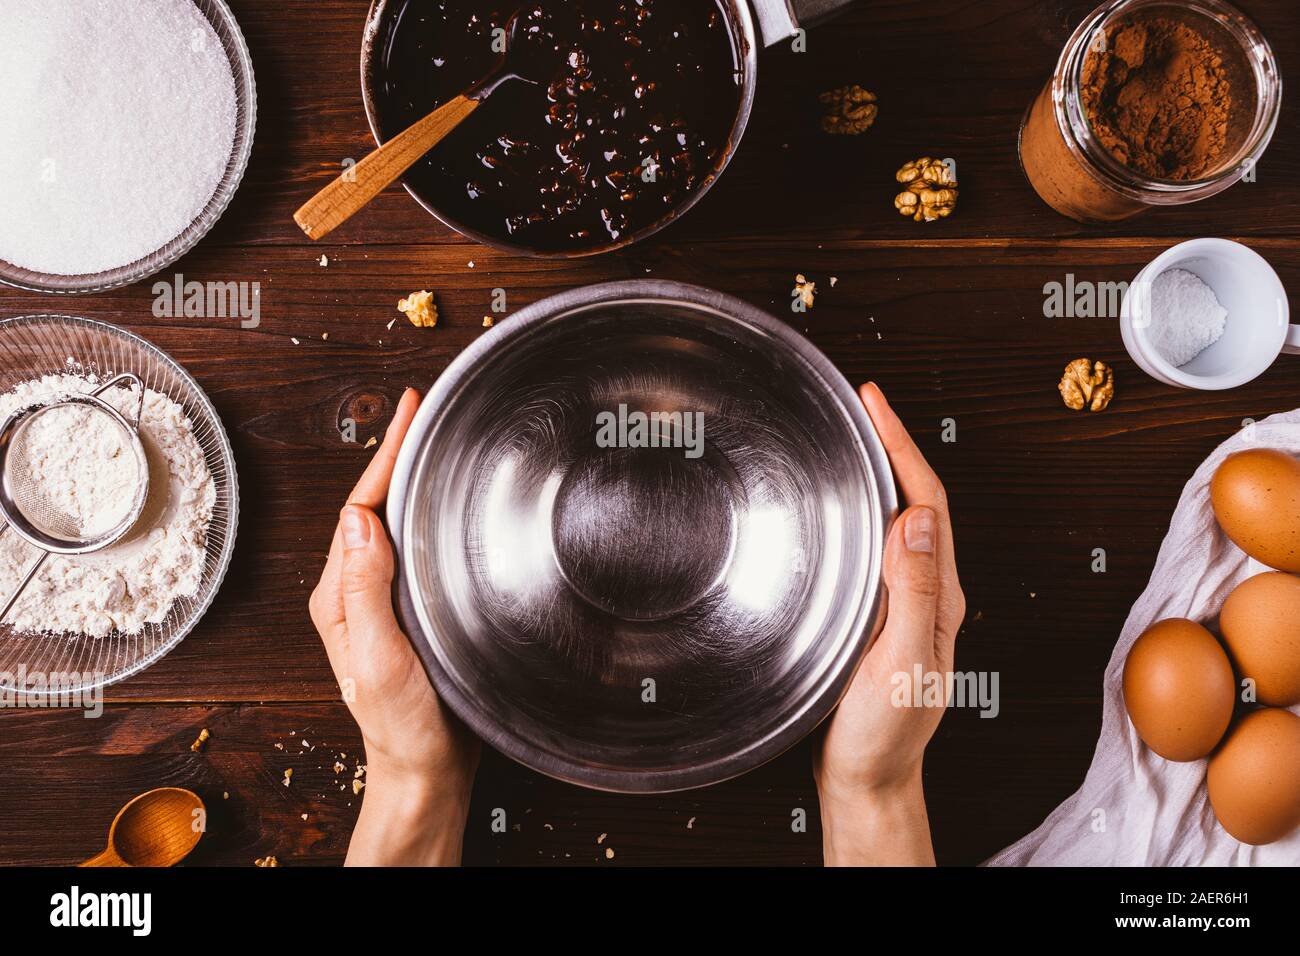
(868, 768)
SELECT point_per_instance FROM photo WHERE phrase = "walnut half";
(1089, 385)
(850, 110)
(931, 190)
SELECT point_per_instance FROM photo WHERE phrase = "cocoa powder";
(1159, 98)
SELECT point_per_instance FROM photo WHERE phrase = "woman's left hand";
(420, 761)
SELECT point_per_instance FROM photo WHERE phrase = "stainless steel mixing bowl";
(641, 619)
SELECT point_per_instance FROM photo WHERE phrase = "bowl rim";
(218, 14)
(815, 705)
(228, 456)
(748, 46)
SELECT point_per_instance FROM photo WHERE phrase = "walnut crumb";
(805, 290)
(487, 321)
(288, 776)
(198, 745)
(266, 861)
(420, 308)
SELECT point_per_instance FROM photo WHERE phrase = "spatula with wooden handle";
(344, 197)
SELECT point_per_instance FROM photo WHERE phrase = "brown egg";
(1256, 497)
(1254, 779)
(1179, 689)
(1260, 622)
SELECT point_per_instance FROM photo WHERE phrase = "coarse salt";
(1186, 316)
(117, 123)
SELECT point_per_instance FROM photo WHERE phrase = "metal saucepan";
(629, 617)
(777, 20)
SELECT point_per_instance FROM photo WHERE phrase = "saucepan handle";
(780, 19)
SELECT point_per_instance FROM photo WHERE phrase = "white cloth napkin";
(1136, 808)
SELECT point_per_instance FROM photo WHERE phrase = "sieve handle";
(22, 586)
(118, 380)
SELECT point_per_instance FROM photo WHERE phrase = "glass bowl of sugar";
(130, 127)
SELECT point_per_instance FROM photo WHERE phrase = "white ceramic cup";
(1258, 327)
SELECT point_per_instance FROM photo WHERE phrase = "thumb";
(367, 577)
(912, 577)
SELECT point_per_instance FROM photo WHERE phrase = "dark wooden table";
(947, 317)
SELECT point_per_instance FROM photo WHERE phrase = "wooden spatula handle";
(341, 199)
(108, 858)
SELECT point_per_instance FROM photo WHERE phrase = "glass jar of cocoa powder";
(1152, 104)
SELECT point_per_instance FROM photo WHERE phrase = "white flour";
(82, 466)
(135, 582)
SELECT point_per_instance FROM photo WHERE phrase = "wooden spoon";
(155, 829)
(354, 188)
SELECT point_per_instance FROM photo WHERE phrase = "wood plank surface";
(947, 317)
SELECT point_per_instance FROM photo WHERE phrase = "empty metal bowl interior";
(643, 618)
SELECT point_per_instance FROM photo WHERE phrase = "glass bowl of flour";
(91, 620)
(128, 128)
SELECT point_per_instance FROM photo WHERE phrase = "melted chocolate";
(632, 113)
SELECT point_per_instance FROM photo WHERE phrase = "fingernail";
(356, 529)
(919, 532)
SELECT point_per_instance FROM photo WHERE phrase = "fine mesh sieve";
(29, 503)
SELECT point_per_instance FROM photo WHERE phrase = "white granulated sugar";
(1186, 316)
(117, 122)
(81, 465)
(135, 582)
